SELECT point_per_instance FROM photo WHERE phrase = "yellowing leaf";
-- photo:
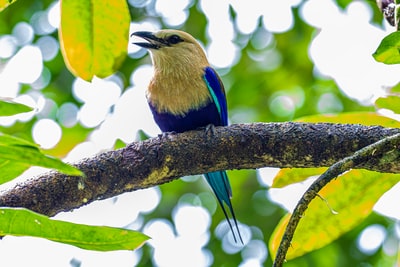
(5, 3)
(351, 195)
(364, 118)
(289, 176)
(94, 36)
(22, 222)
(388, 50)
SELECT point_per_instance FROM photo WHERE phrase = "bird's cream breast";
(178, 95)
(178, 83)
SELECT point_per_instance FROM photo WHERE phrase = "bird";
(186, 93)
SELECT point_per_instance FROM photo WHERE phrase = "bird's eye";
(174, 39)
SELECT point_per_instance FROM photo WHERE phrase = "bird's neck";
(178, 87)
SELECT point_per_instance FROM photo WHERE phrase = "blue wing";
(215, 112)
(219, 181)
(217, 91)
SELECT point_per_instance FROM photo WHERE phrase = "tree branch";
(168, 157)
(383, 150)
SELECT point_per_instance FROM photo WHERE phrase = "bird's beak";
(153, 42)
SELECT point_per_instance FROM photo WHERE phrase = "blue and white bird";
(186, 93)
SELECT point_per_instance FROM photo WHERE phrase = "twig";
(384, 150)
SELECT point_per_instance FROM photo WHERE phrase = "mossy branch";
(165, 158)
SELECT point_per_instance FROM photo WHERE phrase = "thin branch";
(168, 157)
(384, 150)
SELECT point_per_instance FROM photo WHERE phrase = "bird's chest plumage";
(180, 103)
(193, 119)
(178, 92)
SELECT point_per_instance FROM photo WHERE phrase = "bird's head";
(172, 47)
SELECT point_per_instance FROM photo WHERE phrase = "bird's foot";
(210, 129)
(210, 132)
(165, 135)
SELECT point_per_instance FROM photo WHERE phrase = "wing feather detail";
(217, 91)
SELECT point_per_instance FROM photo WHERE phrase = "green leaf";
(395, 89)
(364, 118)
(142, 135)
(288, 176)
(388, 51)
(94, 36)
(23, 222)
(343, 3)
(389, 102)
(22, 152)
(352, 196)
(10, 170)
(5, 3)
(8, 108)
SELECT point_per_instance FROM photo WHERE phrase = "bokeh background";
(279, 60)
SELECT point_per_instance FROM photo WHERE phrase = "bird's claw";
(210, 129)
(165, 135)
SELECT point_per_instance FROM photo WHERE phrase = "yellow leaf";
(94, 36)
(351, 196)
(5, 3)
(364, 118)
(289, 176)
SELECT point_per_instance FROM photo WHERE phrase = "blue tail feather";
(220, 185)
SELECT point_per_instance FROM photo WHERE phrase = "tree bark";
(170, 156)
